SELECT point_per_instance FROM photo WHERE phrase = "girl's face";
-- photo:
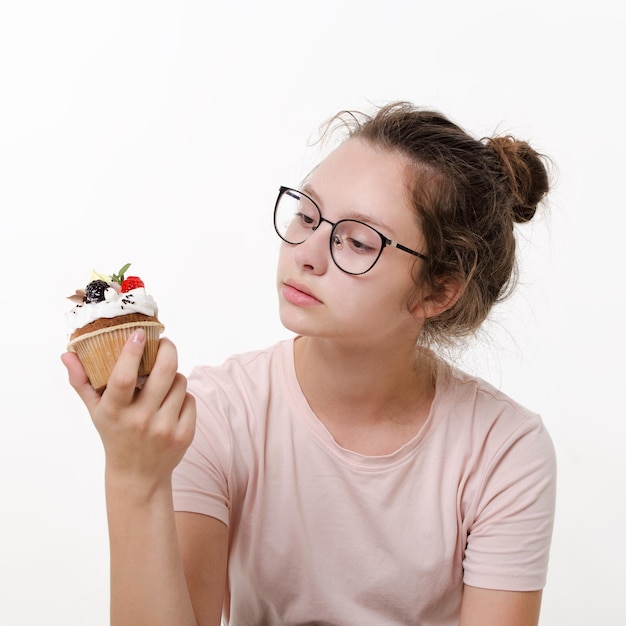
(316, 298)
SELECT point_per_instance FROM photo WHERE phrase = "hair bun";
(526, 173)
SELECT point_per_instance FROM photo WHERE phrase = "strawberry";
(132, 282)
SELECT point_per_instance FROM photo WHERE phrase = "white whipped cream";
(113, 305)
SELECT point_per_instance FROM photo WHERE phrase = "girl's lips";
(298, 295)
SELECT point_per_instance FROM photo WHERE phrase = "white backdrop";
(157, 132)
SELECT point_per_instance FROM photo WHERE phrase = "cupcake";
(106, 313)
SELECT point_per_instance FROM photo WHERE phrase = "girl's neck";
(364, 394)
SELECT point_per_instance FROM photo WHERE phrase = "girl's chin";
(299, 326)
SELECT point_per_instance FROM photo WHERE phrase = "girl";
(348, 475)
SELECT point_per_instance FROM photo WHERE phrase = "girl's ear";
(440, 299)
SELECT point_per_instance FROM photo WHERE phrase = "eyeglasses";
(354, 246)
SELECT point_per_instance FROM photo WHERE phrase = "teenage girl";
(348, 475)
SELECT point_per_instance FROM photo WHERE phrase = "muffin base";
(98, 350)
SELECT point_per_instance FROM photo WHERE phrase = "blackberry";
(94, 292)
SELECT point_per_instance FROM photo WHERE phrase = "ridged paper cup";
(98, 351)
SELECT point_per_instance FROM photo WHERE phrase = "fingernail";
(138, 336)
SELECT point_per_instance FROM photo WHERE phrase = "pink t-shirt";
(323, 535)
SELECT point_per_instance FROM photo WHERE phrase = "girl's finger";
(123, 379)
(158, 384)
(79, 380)
(177, 415)
(187, 420)
(174, 400)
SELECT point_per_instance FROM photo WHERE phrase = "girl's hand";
(144, 432)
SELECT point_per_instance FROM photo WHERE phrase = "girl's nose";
(314, 254)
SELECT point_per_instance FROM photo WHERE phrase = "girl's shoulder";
(468, 404)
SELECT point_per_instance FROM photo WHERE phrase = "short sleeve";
(200, 481)
(513, 514)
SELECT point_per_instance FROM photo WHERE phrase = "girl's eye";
(359, 246)
(304, 219)
(357, 237)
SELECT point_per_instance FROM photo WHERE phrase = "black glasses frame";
(295, 193)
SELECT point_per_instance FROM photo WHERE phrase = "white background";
(158, 133)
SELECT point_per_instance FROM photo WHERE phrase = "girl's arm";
(489, 607)
(147, 580)
(145, 434)
(203, 543)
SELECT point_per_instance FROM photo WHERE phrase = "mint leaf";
(119, 277)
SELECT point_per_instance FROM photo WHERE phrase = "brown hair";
(466, 194)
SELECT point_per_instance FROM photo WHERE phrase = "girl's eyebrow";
(354, 215)
(310, 192)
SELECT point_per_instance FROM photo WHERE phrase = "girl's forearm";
(147, 578)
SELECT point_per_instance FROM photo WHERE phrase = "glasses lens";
(355, 246)
(295, 216)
